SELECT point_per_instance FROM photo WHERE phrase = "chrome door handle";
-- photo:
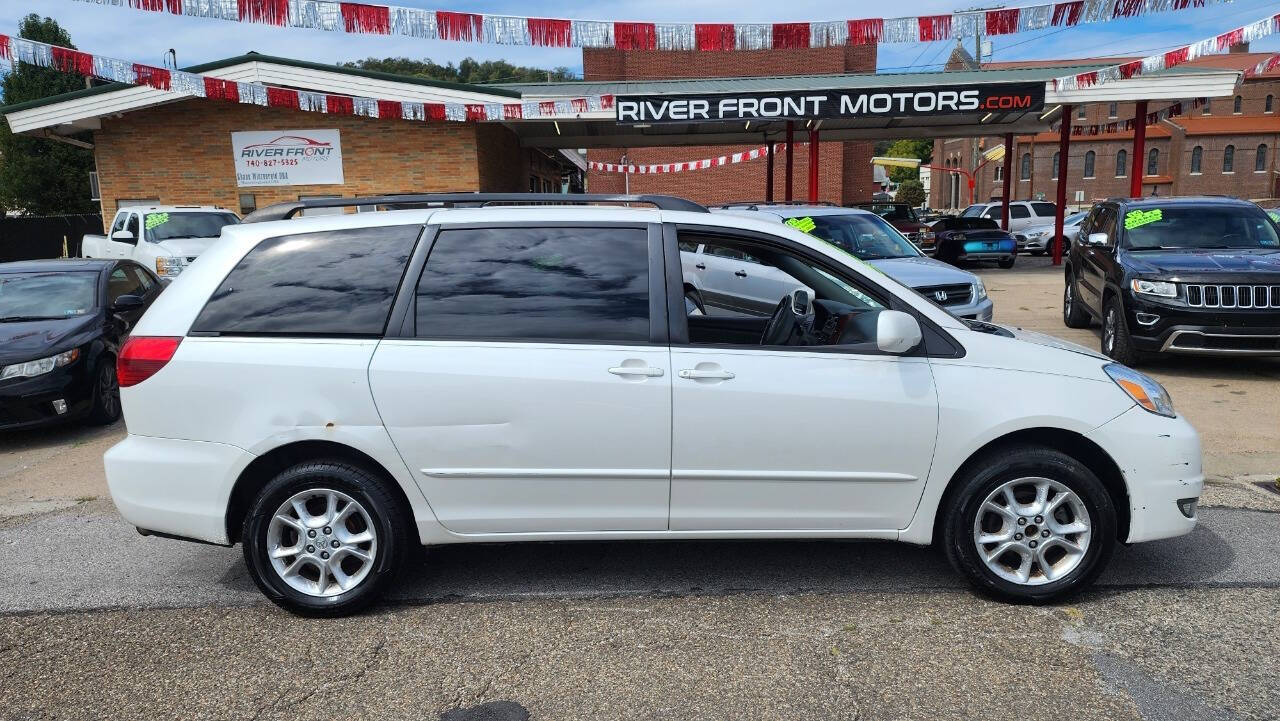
(741, 274)
(695, 374)
(649, 371)
(701, 266)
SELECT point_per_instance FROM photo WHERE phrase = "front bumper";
(981, 310)
(30, 402)
(1160, 460)
(1157, 327)
(181, 488)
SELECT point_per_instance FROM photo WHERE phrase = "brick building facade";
(1226, 147)
(844, 170)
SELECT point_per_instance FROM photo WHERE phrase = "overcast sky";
(145, 37)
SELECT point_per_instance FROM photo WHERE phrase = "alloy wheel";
(1109, 331)
(1032, 531)
(322, 542)
(109, 391)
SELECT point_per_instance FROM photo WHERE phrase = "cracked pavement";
(97, 622)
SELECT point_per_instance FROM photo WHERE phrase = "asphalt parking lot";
(98, 622)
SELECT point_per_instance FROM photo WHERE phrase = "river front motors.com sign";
(832, 104)
(287, 157)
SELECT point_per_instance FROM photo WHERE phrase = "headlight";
(979, 290)
(1162, 288)
(1145, 391)
(167, 267)
(39, 367)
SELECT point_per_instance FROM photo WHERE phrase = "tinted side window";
(132, 225)
(1044, 209)
(582, 284)
(337, 282)
(122, 282)
(1019, 211)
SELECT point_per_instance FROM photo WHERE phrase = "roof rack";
(284, 211)
(754, 204)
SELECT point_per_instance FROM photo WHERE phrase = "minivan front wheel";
(1030, 524)
(324, 538)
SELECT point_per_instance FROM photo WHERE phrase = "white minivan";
(331, 391)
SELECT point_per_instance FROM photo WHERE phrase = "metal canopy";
(602, 130)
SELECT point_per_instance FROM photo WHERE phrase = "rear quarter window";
(337, 282)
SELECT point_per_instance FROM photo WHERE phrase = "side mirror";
(126, 303)
(1096, 239)
(124, 236)
(800, 301)
(897, 332)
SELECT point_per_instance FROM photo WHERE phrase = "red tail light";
(142, 357)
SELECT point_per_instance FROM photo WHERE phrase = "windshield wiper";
(22, 318)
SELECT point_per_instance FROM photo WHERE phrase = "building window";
(1122, 163)
(1089, 159)
(1260, 160)
(1208, 107)
(1025, 172)
(1229, 159)
(1111, 110)
(1238, 106)
(1054, 168)
(1153, 161)
(248, 203)
(999, 173)
(1197, 155)
(1082, 113)
(1270, 103)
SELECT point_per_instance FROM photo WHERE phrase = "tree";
(467, 70)
(922, 150)
(39, 176)
(911, 191)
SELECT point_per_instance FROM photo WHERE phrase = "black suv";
(1182, 275)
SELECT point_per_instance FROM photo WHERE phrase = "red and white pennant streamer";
(377, 19)
(1215, 45)
(731, 159)
(204, 86)
(1127, 125)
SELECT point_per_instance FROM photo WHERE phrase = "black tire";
(1116, 342)
(1074, 315)
(105, 408)
(990, 473)
(390, 521)
(1007, 263)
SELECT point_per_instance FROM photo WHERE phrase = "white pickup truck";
(164, 237)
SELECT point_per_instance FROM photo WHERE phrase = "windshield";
(868, 237)
(891, 211)
(165, 226)
(973, 211)
(1192, 227)
(36, 296)
(1074, 218)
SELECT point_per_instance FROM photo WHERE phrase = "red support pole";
(768, 178)
(1139, 149)
(813, 165)
(1064, 147)
(791, 144)
(1008, 176)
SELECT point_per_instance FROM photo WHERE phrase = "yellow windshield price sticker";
(1137, 218)
(156, 219)
(804, 225)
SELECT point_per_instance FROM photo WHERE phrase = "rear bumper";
(175, 487)
(1161, 463)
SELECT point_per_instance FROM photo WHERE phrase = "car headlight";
(39, 367)
(169, 266)
(1162, 288)
(1144, 390)
(979, 290)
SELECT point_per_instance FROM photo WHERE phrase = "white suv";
(330, 391)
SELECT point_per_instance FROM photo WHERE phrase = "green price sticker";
(1275, 215)
(804, 225)
(1137, 218)
(156, 219)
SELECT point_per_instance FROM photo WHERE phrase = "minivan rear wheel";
(1029, 524)
(324, 538)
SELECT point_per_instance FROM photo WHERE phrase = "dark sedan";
(957, 239)
(61, 326)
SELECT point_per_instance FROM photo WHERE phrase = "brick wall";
(181, 153)
(844, 167)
